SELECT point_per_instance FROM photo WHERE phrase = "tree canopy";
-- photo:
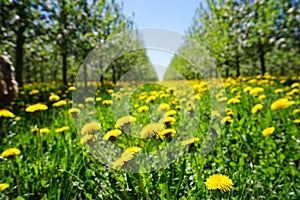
(247, 37)
(48, 40)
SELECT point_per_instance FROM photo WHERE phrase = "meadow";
(45, 154)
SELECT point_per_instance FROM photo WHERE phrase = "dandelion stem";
(41, 149)
(163, 170)
(143, 188)
(197, 168)
(16, 176)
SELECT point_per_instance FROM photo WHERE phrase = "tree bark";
(227, 68)
(28, 72)
(114, 73)
(261, 56)
(84, 74)
(64, 44)
(237, 63)
(19, 55)
(64, 62)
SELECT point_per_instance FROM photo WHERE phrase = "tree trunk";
(114, 74)
(64, 61)
(217, 73)
(19, 55)
(210, 73)
(84, 74)
(237, 63)
(42, 75)
(261, 56)
(28, 73)
(282, 71)
(227, 68)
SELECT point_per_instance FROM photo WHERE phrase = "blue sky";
(176, 15)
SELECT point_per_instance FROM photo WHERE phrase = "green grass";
(57, 166)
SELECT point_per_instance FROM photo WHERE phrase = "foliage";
(243, 35)
(48, 40)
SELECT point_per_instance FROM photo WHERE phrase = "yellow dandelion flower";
(255, 91)
(215, 113)
(170, 113)
(178, 107)
(89, 100)
(33, 92)
(90, 128)
(17, 118)
(118, 163)
(151, 130)
(256, 108)
(133, 149)
(190, 104)
(87, 138)
(60, 103)
(189, 109)
(229, 111)
(258, 76)
(219, 182)
(281, 103)
(126, 156)
(282, 81)
(92, 112)
(262, 97)
(227, 119)
(98, 99)
(163, 107)
(295, 85)
(233, 101)
(10, 152)
(3, 186)
(44, 130)
(143, 109)
(196, 97)
(36, 107)
(35, 130)
(295, 111)
(247, 89)
(279, 90)
(169, 120)
(142, 97)
(267, 75)
(113, 133)
(6, 113)
(54, 97)
(233, 90)
(297, 121)
(164, 133)
(124, 121)
(72, 88)
(292, 92)
(107, 102)
(62, 129)
(222, 99)
(110, 91)
(80, 105)
(190, 141)
(268, 131)
(150, 99)
(74, 112)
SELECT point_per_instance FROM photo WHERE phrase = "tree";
(243, 32)
(25, 21)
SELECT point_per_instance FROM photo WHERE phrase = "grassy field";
(257, 149)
